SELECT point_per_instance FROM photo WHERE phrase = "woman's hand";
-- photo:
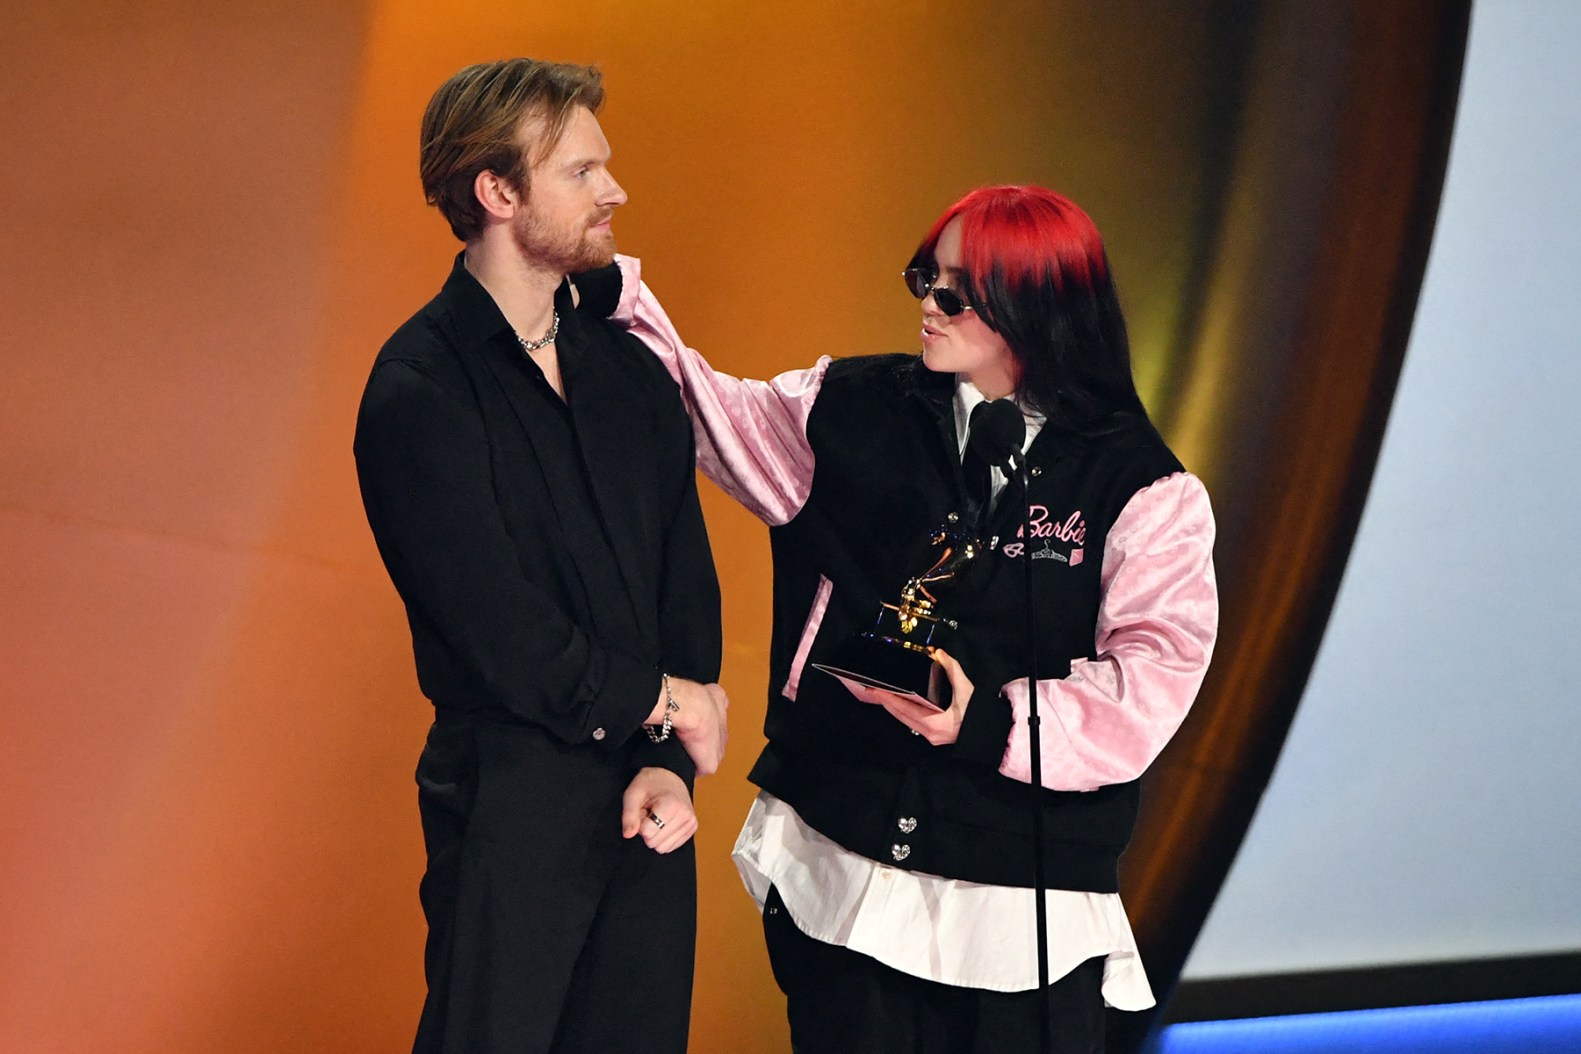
(939, 727)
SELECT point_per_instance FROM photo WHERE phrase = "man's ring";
(655, 818)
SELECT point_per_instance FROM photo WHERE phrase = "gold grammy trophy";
(896, 654)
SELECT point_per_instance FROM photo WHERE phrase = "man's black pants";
(548, 933)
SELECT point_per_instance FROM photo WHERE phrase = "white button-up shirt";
(958, 933)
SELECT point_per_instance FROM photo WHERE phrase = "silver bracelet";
(670, 707)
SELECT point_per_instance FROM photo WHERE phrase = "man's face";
(565, 224)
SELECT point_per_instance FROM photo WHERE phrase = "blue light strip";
(1547, 1025)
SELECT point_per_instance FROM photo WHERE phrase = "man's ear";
(495, 193)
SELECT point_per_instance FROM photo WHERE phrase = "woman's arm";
(751, 435)
(1157, 621)
(1108, 720)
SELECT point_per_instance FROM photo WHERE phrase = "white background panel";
(1428, 802)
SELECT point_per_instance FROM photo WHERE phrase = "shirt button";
(899, 852)
(599, 733)
(907, 824)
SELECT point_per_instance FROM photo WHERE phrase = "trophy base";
(894, 666)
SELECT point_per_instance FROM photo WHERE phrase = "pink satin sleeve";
(1157, 621)
(751, 435)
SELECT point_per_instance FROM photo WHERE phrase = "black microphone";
(997, 431)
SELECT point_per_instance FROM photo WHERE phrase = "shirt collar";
(474, 315)
(477, 319)
(967, 396)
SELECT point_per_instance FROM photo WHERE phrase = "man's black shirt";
(551, 555)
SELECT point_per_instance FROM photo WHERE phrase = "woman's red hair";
(1026, 235)
(1036, 272)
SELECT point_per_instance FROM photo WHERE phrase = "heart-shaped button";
(900, 852)
(907, 824)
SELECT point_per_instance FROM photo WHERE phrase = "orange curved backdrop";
(211, 220)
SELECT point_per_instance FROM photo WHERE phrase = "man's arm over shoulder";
(423, 465)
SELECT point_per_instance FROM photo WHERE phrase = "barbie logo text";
(1073, 529)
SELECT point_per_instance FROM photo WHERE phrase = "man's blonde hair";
(472, 125)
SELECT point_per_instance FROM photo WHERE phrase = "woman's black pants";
(843, 1002)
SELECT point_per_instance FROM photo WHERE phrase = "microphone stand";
(1002, 433)
(1035, 745)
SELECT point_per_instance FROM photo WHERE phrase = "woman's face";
(963, 345)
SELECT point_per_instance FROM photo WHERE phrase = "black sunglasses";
(920, 281)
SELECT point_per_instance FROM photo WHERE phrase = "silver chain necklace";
(547, 339)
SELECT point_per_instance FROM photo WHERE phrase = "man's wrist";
(669, 707)
(656, 715)
(684, 717)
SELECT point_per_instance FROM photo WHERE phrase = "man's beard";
(564, 249)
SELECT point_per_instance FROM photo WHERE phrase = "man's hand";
(657, 806)
(939, 727)
(699, 723)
